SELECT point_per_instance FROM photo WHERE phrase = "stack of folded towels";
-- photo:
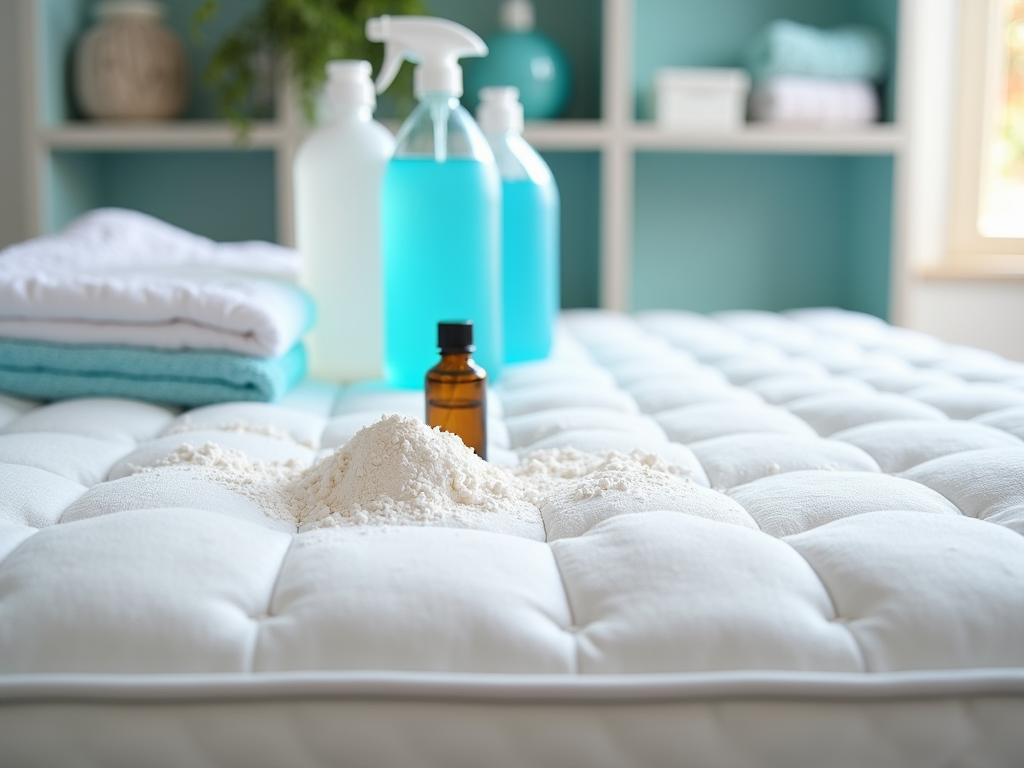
(120, 304)
(808, 76)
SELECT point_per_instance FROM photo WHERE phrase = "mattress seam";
(269, 606)
(901, 476)
(707, 474)
(835, 611)
(572, 613)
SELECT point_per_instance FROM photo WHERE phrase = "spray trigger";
(434, 45)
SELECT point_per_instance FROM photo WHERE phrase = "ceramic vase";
(129, 66)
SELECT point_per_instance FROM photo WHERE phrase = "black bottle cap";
(455, 335)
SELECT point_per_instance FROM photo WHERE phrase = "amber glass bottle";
(457, 388)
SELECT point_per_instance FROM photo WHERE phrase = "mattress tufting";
(839, 577)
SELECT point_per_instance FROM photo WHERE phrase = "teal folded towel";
(788, 48)
(42, 371)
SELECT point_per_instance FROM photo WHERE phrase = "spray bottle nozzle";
(434, 45)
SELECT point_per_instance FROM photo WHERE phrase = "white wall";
(13, 208)
(982, 313)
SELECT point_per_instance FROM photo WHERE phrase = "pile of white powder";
(541, 472)
(399, 471)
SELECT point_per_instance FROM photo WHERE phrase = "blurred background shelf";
(873, 140)
(567, 134)
(192, 134)
(753, 138)
(761, 218)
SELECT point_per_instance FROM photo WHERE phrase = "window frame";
(979, 76)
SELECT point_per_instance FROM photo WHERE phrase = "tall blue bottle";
(530, 229)
(440, 206)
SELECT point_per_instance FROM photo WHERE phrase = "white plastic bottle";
(441, 200)
(530, 228)
(338, 173)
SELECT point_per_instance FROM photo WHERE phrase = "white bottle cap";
(436, 45)
(517, 15)
(500, 110)
(348, 82)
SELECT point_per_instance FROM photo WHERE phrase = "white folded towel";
(115, 276)
(814, 101)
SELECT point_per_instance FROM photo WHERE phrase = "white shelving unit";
(616, 137)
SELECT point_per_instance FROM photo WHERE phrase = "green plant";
(301, 35)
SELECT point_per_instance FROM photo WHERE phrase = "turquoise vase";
(530, 61)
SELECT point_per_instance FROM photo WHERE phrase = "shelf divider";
(617, 160)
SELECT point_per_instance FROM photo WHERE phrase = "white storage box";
(701, 98)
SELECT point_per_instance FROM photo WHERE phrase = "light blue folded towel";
(42, 371)
(787, 48)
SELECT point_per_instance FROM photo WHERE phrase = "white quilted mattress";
(842, 582)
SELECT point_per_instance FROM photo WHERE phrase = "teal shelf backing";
(223, 195)
(717, 232)
(714, 33)
(74, 182)
(58, 24)
(237, 199)
(579, 182)
(868, 266)
(202, 101)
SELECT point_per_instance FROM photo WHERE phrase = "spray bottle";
(530, 224)
(338, 173)
(441, 204)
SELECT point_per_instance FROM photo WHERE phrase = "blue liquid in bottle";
(530, 229)
(440, 206)
(530, 267)
(441, 254)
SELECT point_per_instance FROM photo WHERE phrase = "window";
(1001, 211)
(987, 196)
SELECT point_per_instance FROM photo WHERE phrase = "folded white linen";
(814, 101)
(115, 276)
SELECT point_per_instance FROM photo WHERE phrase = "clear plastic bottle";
(338, 173)
(530, 229)
(456, 388)
(441, 205)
